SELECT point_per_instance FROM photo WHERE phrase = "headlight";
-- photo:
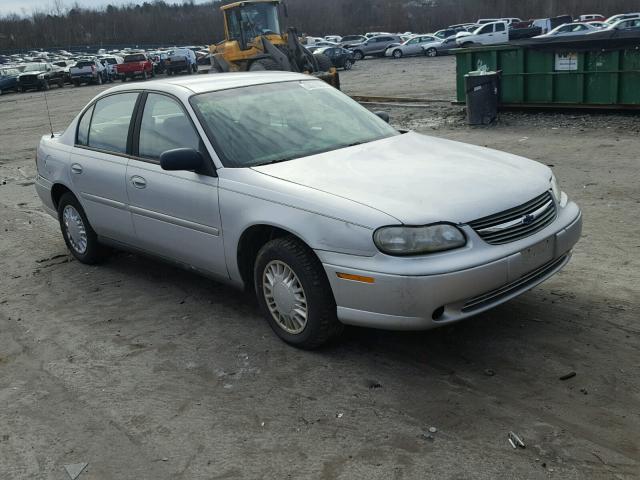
(41, 76)
(417, 240)
(555, 188)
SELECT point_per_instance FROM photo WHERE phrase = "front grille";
(523, 283)
(518, 222)
(29, 79)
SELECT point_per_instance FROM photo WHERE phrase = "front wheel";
(358, 55)
(431, 52)
(294, 293)
(80, 238)
(397, 53)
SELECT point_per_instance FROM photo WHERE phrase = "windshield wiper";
(277, 160)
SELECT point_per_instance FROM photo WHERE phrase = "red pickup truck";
(135, 65)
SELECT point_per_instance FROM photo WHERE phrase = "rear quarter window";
(82, 136)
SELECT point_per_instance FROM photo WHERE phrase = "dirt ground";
(145, 371)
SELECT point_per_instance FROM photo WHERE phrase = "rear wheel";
(431, 52)
(264, 64)
(324, 62)
(294, 293)
(397, 53)
(348, 64)
(144, 75)
(358, 55)
(80, 238)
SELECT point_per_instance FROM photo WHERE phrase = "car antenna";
(48, 113)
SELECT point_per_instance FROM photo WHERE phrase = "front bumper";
(418, 302)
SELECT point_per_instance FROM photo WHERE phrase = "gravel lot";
(145, 371)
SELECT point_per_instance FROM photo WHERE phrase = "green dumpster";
(558, 76)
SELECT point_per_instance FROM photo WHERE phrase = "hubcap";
(285, 296)
(76, 232)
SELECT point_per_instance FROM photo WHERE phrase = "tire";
(76, 83)
(313, 293)
(467, 45)
(99, 80)
(144, 75)
(324, 62)
(263, 64)
(189, 70)
(124, 78)
(397, 53)
(45, 85)
(348, 64)
(431, 52)
(79, 237)
(358, 55)
(60, 83)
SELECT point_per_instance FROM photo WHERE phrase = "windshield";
(250, 21)
(263, 124)
(139, 57)
(34, 67)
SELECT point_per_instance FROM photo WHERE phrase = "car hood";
(463, 34)
(33, 72)
(419, 179)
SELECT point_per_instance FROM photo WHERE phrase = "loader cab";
(244, 21)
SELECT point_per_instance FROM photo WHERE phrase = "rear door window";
(110, 122)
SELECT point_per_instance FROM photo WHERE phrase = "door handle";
(138, 181)
(76, 168)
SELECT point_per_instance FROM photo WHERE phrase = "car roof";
(188, 85)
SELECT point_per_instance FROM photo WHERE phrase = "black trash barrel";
(482, 97)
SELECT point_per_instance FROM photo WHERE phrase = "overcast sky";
(27, 6)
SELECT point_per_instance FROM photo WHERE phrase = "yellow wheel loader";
(254, 41)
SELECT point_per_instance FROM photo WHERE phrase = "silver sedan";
(279, 183)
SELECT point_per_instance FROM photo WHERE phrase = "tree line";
(162, 23)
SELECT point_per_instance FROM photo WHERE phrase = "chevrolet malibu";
(277, 182)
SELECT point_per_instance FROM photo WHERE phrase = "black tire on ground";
(431, 52)
(324, 62)
(348, 64)
(76, 83)
(189, 70)
(95, 252)
(322, 324)
(264, 64)
(45, 85)
(124, 78)
(144, 75)
(61, 83)
(99, 79)
(467, 45)
(397, 53)
(358, 54)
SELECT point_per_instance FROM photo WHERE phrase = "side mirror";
(181, 159)
(383, 115)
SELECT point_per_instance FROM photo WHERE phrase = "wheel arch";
(252, 239)
(57, 191)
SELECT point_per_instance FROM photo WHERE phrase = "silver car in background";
(279, 183)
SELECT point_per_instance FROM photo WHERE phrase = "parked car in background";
(340, 57)
(111, 63)
(487, 34)
(463, 26)
(374, 46)
(376, 34)
(40, 76)
(350, 40)
(333, 38)
(548, 24)
(482, 21)
(181, 60)
(8, 79)
(628, 24)
(591, 17)
(66, 66)
(312, 40)
(569, 29)
(598, 24)
(322, 44)
(622, 16)
(88, 70)
(135, 65)
(342, 220)
(448, 32)
(413, 46)
(441, 47)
